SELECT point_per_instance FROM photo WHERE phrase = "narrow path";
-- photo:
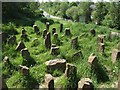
(47, 15)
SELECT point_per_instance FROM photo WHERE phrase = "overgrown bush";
(9, 28)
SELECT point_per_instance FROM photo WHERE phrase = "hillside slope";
(40, 54)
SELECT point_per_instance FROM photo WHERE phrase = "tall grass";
(87, 44)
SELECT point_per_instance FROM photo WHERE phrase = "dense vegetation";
(105, 13)
(39, 53)
(14, 10)
(24, 13)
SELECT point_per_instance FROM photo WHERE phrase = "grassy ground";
(38, 52)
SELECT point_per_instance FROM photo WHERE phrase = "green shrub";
(10, 28)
